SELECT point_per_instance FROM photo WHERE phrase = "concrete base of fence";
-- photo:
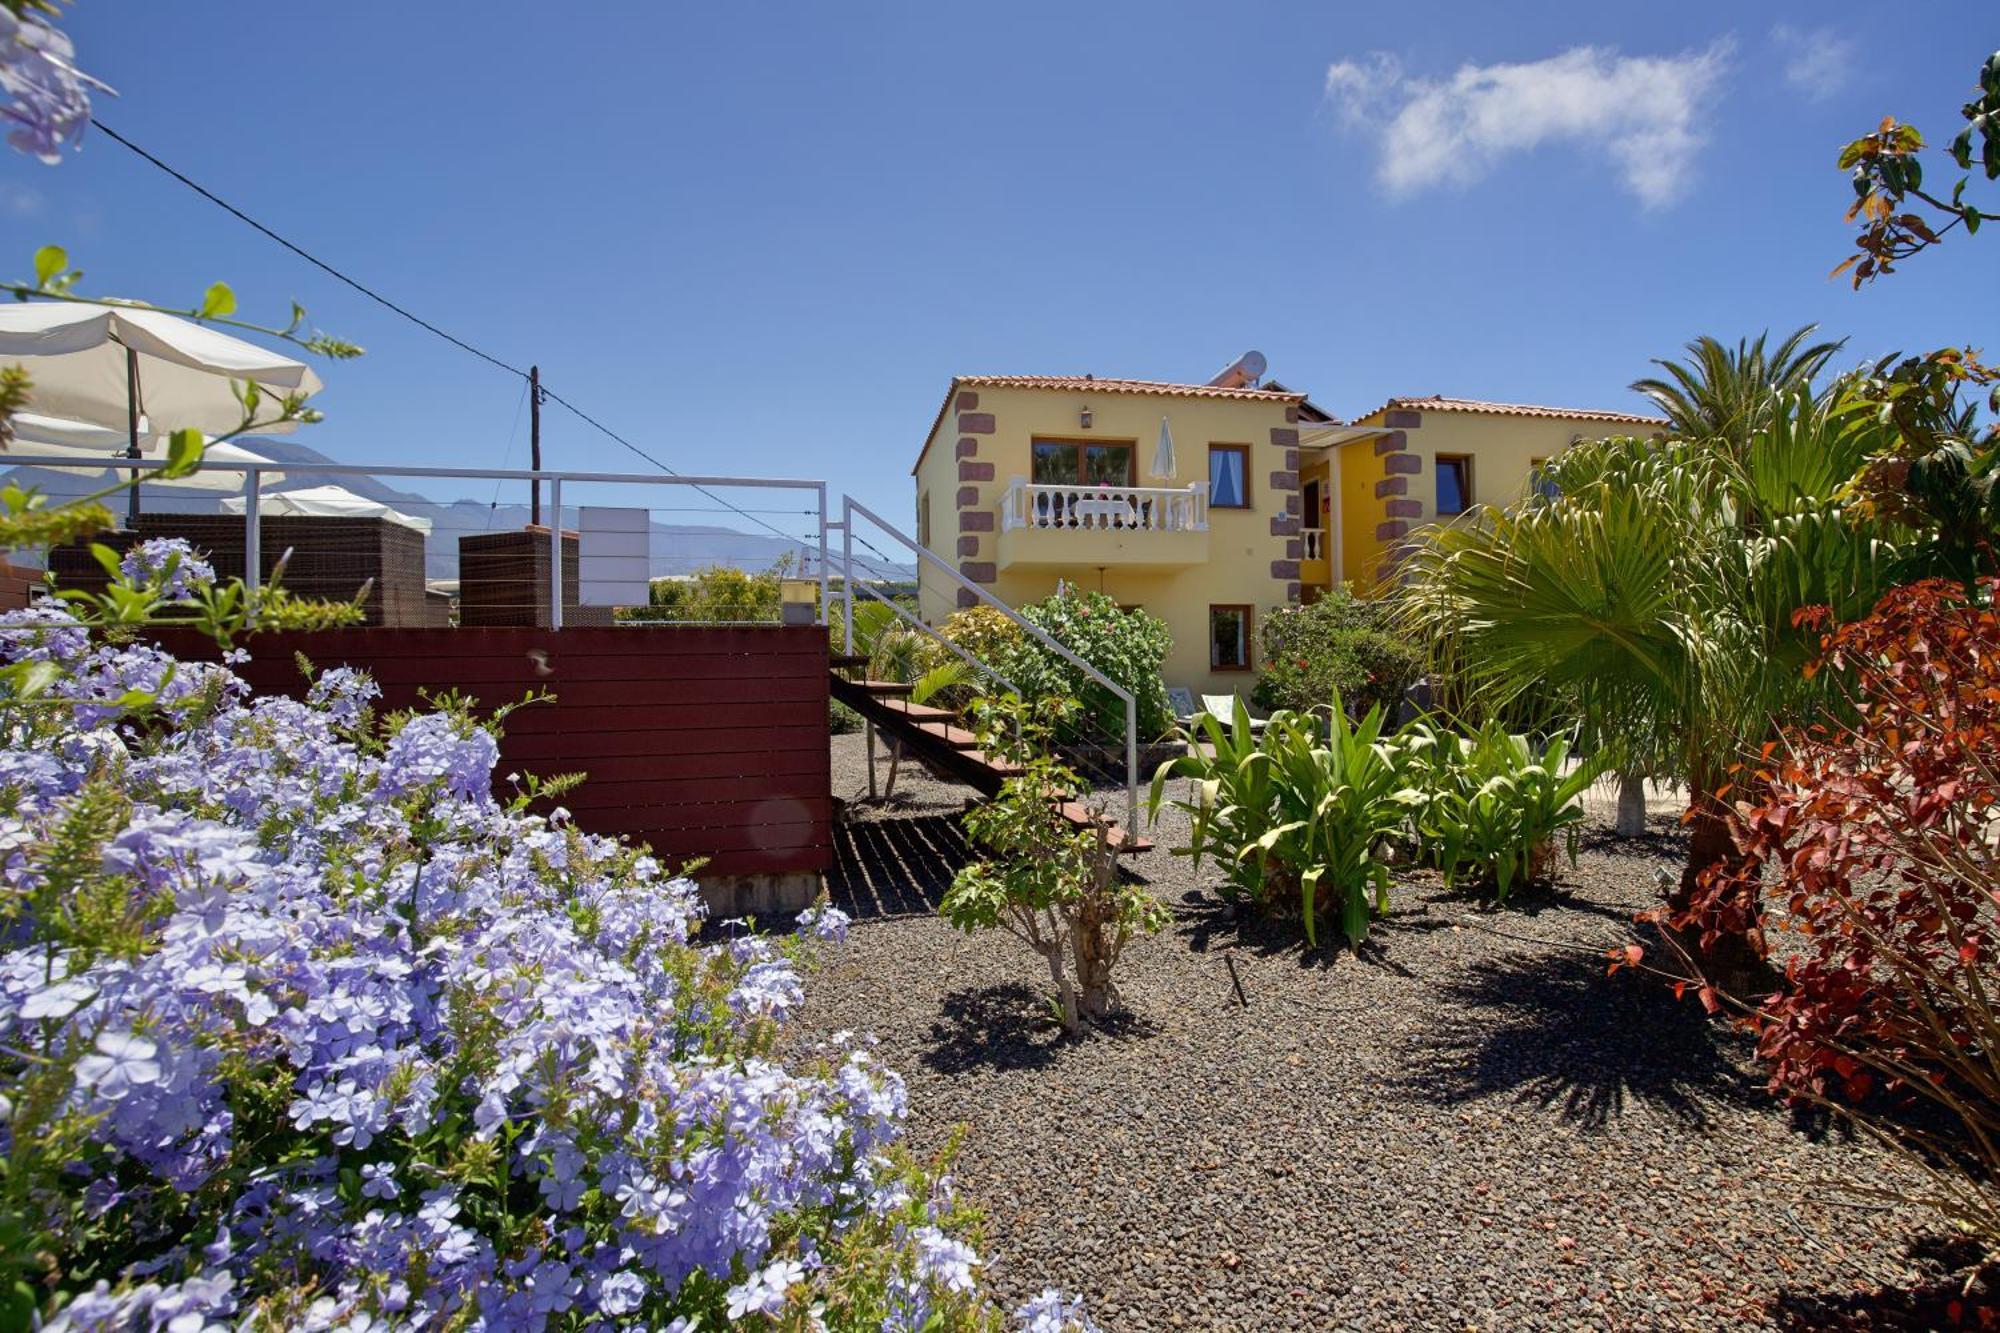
(774, 899)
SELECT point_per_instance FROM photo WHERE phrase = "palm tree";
(1723, 395)
(1655, 596)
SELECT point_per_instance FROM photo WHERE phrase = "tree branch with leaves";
(1887, 173)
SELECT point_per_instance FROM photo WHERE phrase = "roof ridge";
(1451, 403)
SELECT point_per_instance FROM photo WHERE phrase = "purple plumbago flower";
(38, 68)
(169, 565)
(944, 1260)
(826, 922)
(119, 1063)
(435, 748)
(505, 978)
(342, 694)
(1050, 1312)
(763, 1292)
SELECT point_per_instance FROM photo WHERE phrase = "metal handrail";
(850, 506)
(253, 470)
(964, 656)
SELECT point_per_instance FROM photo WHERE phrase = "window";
(1228, 476)
(1082, 463)
(1314, 509)
(924, 519)
(1540, 484)
(1454, 483)
(1229, 638)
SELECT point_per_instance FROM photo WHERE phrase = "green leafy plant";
(1494, 807)
(717, 594)
(1054, 887)
(1129, 647)
(1294, 818)
(1341, 644)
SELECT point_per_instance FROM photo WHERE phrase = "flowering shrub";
(300, 1027)
(1338, 645)
(1127, 646)
(1879, 833)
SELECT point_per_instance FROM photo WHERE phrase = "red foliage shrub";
(1879, 834)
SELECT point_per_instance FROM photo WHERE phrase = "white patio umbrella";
(328, 502)
(1164, 464)
(112, 365)
(52, 437)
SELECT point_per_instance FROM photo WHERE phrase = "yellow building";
(1411, 461)
(1205, 504)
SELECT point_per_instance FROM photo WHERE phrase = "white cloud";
(20, 202)
(1644, 113)
(1817, 63)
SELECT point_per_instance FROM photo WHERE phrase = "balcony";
(1061, 527)
(1315, 558)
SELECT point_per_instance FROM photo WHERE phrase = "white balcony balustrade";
(1031, 505)
(1315, 543)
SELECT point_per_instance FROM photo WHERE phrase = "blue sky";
(760, 238)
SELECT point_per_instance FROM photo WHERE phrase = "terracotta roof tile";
(1440, 403)
(1091, 383)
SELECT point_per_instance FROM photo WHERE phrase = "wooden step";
(845, 661)
(884, 688)
(915, 713)
(1123, 842)
(958, 738)
(1006, 768)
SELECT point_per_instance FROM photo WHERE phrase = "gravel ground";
(1458, 1129)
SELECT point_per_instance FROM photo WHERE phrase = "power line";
(314, 260)
(460, 343)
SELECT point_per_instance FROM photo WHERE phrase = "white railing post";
(847, 573)
(555, 554)
(253, 533)
(820, 493)
(1200, 490)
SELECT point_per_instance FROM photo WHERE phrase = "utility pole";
(535, 444)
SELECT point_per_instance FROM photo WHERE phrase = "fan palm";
(1655, 594)
(1722, 394)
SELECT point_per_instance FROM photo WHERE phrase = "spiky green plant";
(1296, 811)
(1725, 394)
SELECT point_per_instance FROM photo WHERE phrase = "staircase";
(935, 736)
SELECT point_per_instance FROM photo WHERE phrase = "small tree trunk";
(1734, 962)
(895, 762)
(1066, 997)
(1631, 805)
(1091, 937)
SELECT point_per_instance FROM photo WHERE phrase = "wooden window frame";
(1465, 491)
(924, 520)
(1538, 485)
(1244, 450)
(1249, 635)
(1131, 448)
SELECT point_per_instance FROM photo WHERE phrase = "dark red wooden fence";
(700, 741)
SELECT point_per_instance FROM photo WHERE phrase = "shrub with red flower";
(1877, 842)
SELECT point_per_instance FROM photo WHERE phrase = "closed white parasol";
(51, 437)
(1165, 466)
(115, 366)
